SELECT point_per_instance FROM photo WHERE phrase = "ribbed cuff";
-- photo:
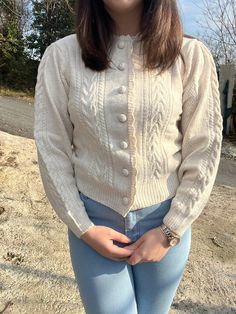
(80, 228)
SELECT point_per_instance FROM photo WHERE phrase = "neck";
(127, 22)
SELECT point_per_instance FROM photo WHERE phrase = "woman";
(128, 130)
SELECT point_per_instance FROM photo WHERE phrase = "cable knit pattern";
(126, 137)
(154, 130)
(53, 147)
(203, 99)
(157, 112)
(104, 173)
(90, 110)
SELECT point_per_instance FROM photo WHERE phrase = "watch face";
(174, 241)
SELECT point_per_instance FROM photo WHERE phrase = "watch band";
(172, 237)
(169, 231)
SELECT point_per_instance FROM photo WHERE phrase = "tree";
(26, 29)
(52, 20)
(219, 28)
(11, 40)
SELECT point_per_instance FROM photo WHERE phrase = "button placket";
(125, 172)
(123, 144)
(122, 89)
(121, 44)
(125, 200)
(122, 117)
(121, 66)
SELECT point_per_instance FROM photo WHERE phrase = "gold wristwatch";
(172, 237)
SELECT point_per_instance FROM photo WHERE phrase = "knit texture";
(127, 137)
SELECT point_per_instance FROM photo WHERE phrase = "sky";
(190, 12)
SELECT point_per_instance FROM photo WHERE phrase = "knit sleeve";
(53, 138)
(201, 126)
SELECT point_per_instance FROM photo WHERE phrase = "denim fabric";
(113, 287)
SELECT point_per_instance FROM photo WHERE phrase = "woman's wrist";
(172, 236)
(170, 230)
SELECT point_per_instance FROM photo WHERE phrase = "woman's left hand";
(152, 246)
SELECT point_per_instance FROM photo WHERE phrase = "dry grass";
(24, 95)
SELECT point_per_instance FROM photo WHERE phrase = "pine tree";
(51, 20)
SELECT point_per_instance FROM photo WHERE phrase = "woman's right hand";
(100, 238)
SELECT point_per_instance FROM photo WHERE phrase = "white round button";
(121, 66)
(125, 172)
(122, 89)
(121, 44)
(123, 144)
(125, 200)
(122, 117)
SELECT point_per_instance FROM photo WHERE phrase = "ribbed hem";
(146, 194)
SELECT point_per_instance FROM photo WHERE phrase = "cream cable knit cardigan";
(126, 137)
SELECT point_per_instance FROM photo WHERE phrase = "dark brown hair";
(161, 33)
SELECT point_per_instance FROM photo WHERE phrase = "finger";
(139, 262)
(121, 259)
(118, 259)
(136, 257)
(132, 246)
(118, 236)
(136, 244)
(120, 252)
(135, 260)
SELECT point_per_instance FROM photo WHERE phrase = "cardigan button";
(125, 200)
(122, 117)
(122, 89)
(121, 45)
(121, 66)
(123, 144)
(125, 172)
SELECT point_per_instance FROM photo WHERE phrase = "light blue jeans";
(116, 287)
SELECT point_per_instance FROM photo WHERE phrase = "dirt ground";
(35, 269)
